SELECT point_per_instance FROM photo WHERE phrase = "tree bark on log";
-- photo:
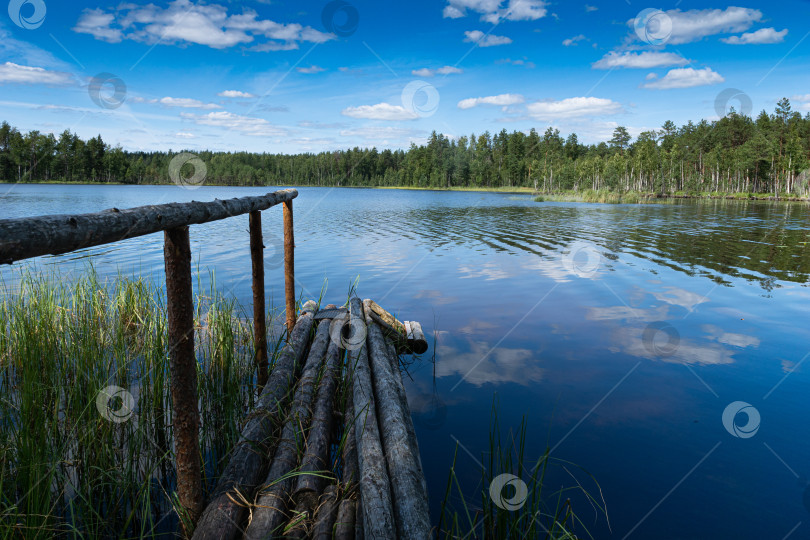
(326, 515)
(270, 512)
(406, 408)
(407, 482)
(411, 341)
(375, 487)
(183, 371)
(226, 513)
(23, 238)
(344, 526)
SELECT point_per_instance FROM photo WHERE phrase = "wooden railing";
(25, 238)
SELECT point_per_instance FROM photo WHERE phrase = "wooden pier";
(329, 451)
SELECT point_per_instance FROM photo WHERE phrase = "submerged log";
(227, 510)
(23, 238)
(270, 511)
(407, 481)
(376, 507)
(416, 339)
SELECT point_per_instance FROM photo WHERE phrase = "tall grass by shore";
(75, 461)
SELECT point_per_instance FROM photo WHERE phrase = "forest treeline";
(737, 153)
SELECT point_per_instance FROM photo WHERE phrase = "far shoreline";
(585, 196)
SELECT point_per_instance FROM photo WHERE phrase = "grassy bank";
(86, 436)
(635, 197)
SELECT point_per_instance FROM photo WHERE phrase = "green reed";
(546, 513)
(76, 465)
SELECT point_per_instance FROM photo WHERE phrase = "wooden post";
(183, 370)
(259, 322)
(289, 265)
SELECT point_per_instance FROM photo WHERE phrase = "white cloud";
(574, 40)
(493, 11)
(185, 135)
(760, 37)
(643, 60)
(186, 22)
(550, 111)
(246, 125)
(310, 70)
(235, 94)
(381, 111)
(446, 70)
(17, 74)
(696, 24)
(519, 62)
(804, 100)
(501, 100)
(485, 40)
(589, 9)
(685, 78)
(187, 103)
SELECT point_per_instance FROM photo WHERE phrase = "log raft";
(330, 451)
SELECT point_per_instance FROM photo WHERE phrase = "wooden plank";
(403, 334)
(183, 371)
(23, 238)
(227, 510)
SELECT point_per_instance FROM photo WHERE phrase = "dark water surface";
(622, 333)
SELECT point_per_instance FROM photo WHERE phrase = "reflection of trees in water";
(757, 241)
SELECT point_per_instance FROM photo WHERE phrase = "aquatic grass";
(544, 512)
(70, 468)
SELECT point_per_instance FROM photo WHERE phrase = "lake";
(622, 333)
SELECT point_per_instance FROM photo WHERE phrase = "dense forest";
(769, 154)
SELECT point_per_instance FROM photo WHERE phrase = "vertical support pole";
(183, 370)
(289, 265)
(259, 322)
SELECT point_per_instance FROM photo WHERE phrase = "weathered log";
(416, 339)
(23, 238)
(375, 489)
(227, 510)
(350, 476)
(344, 526)
(407, 485)
(259, 322)
(183, 371)
(403, 335)
(271, 508)
(326, 515)
(413, 442)
(319, 438)
(289, 264)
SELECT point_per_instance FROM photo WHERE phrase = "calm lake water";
(621, 332)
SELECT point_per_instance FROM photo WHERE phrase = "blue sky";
(292, 77)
